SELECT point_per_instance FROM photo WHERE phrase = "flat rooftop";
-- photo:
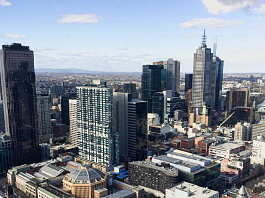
(227, 146)
(168, 171)
(193, 190)
(120, 194)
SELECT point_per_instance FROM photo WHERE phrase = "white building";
(258, 154)
(225, 150)
(188, 190)
(243, 132)
(74, 134)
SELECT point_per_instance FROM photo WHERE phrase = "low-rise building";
(258, 154)
(188, 190)
(225, 150)
(122, 194)
(149, 175)
(83, 182)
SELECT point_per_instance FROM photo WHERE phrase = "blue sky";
(122, 35)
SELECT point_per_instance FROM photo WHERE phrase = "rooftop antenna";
(204, 39)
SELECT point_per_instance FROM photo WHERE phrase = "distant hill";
(77, 71)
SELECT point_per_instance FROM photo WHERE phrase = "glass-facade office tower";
(137, 130)
(153, 80)
(120, 123)
(44, 118)
(207, 77)
(201, 84)
(219, 81)
(94, 121)
(19, 99)
(188, 82)
(172, 68)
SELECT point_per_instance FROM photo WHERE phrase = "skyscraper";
(153, 80)
(74, 136)
(207, 77)
(120, 123)
(19, 99)
(137, 130)
(201, 85)
(44, 118)
(188, 82)
(94, 121)
(172, 68)
(219, 80)
(237, 98)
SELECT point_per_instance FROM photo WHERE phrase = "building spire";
(204, 38)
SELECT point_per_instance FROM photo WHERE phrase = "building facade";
(137, 130)
(188, 82)
(94, 121)
(153, 80)
(44, 118)
(20, 102)
(120, 124)
(237, 98)
(73, 131)
(207, 77)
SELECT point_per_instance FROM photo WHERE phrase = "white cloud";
(225, 6)
(79, 18)
(14, 36)
(5, 3)
(260, 9)
(209, 23)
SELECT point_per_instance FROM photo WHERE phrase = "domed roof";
(85, 175)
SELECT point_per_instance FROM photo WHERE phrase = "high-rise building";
(120, 123)
(207, 77)
(188, 82)
(237, 98)
(137, 130)
(153, 80)
(74, 136)
(219, 80)
(44, 118)
(201, 84)
(130, 88)
(172, 68)
(65, 109)
(20, 102)
(94, 121)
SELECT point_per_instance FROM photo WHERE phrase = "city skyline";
(89, 36)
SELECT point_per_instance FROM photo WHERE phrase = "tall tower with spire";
(202, 83)
(207, 76)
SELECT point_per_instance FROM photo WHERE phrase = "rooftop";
(85, 175)
(193, 191)
(168, 171)
(120, 194)
(227, 146)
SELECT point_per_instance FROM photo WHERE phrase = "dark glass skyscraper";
(19, 99)
(137, 130)
(219, 81)
(188, 82)
(153, 80)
